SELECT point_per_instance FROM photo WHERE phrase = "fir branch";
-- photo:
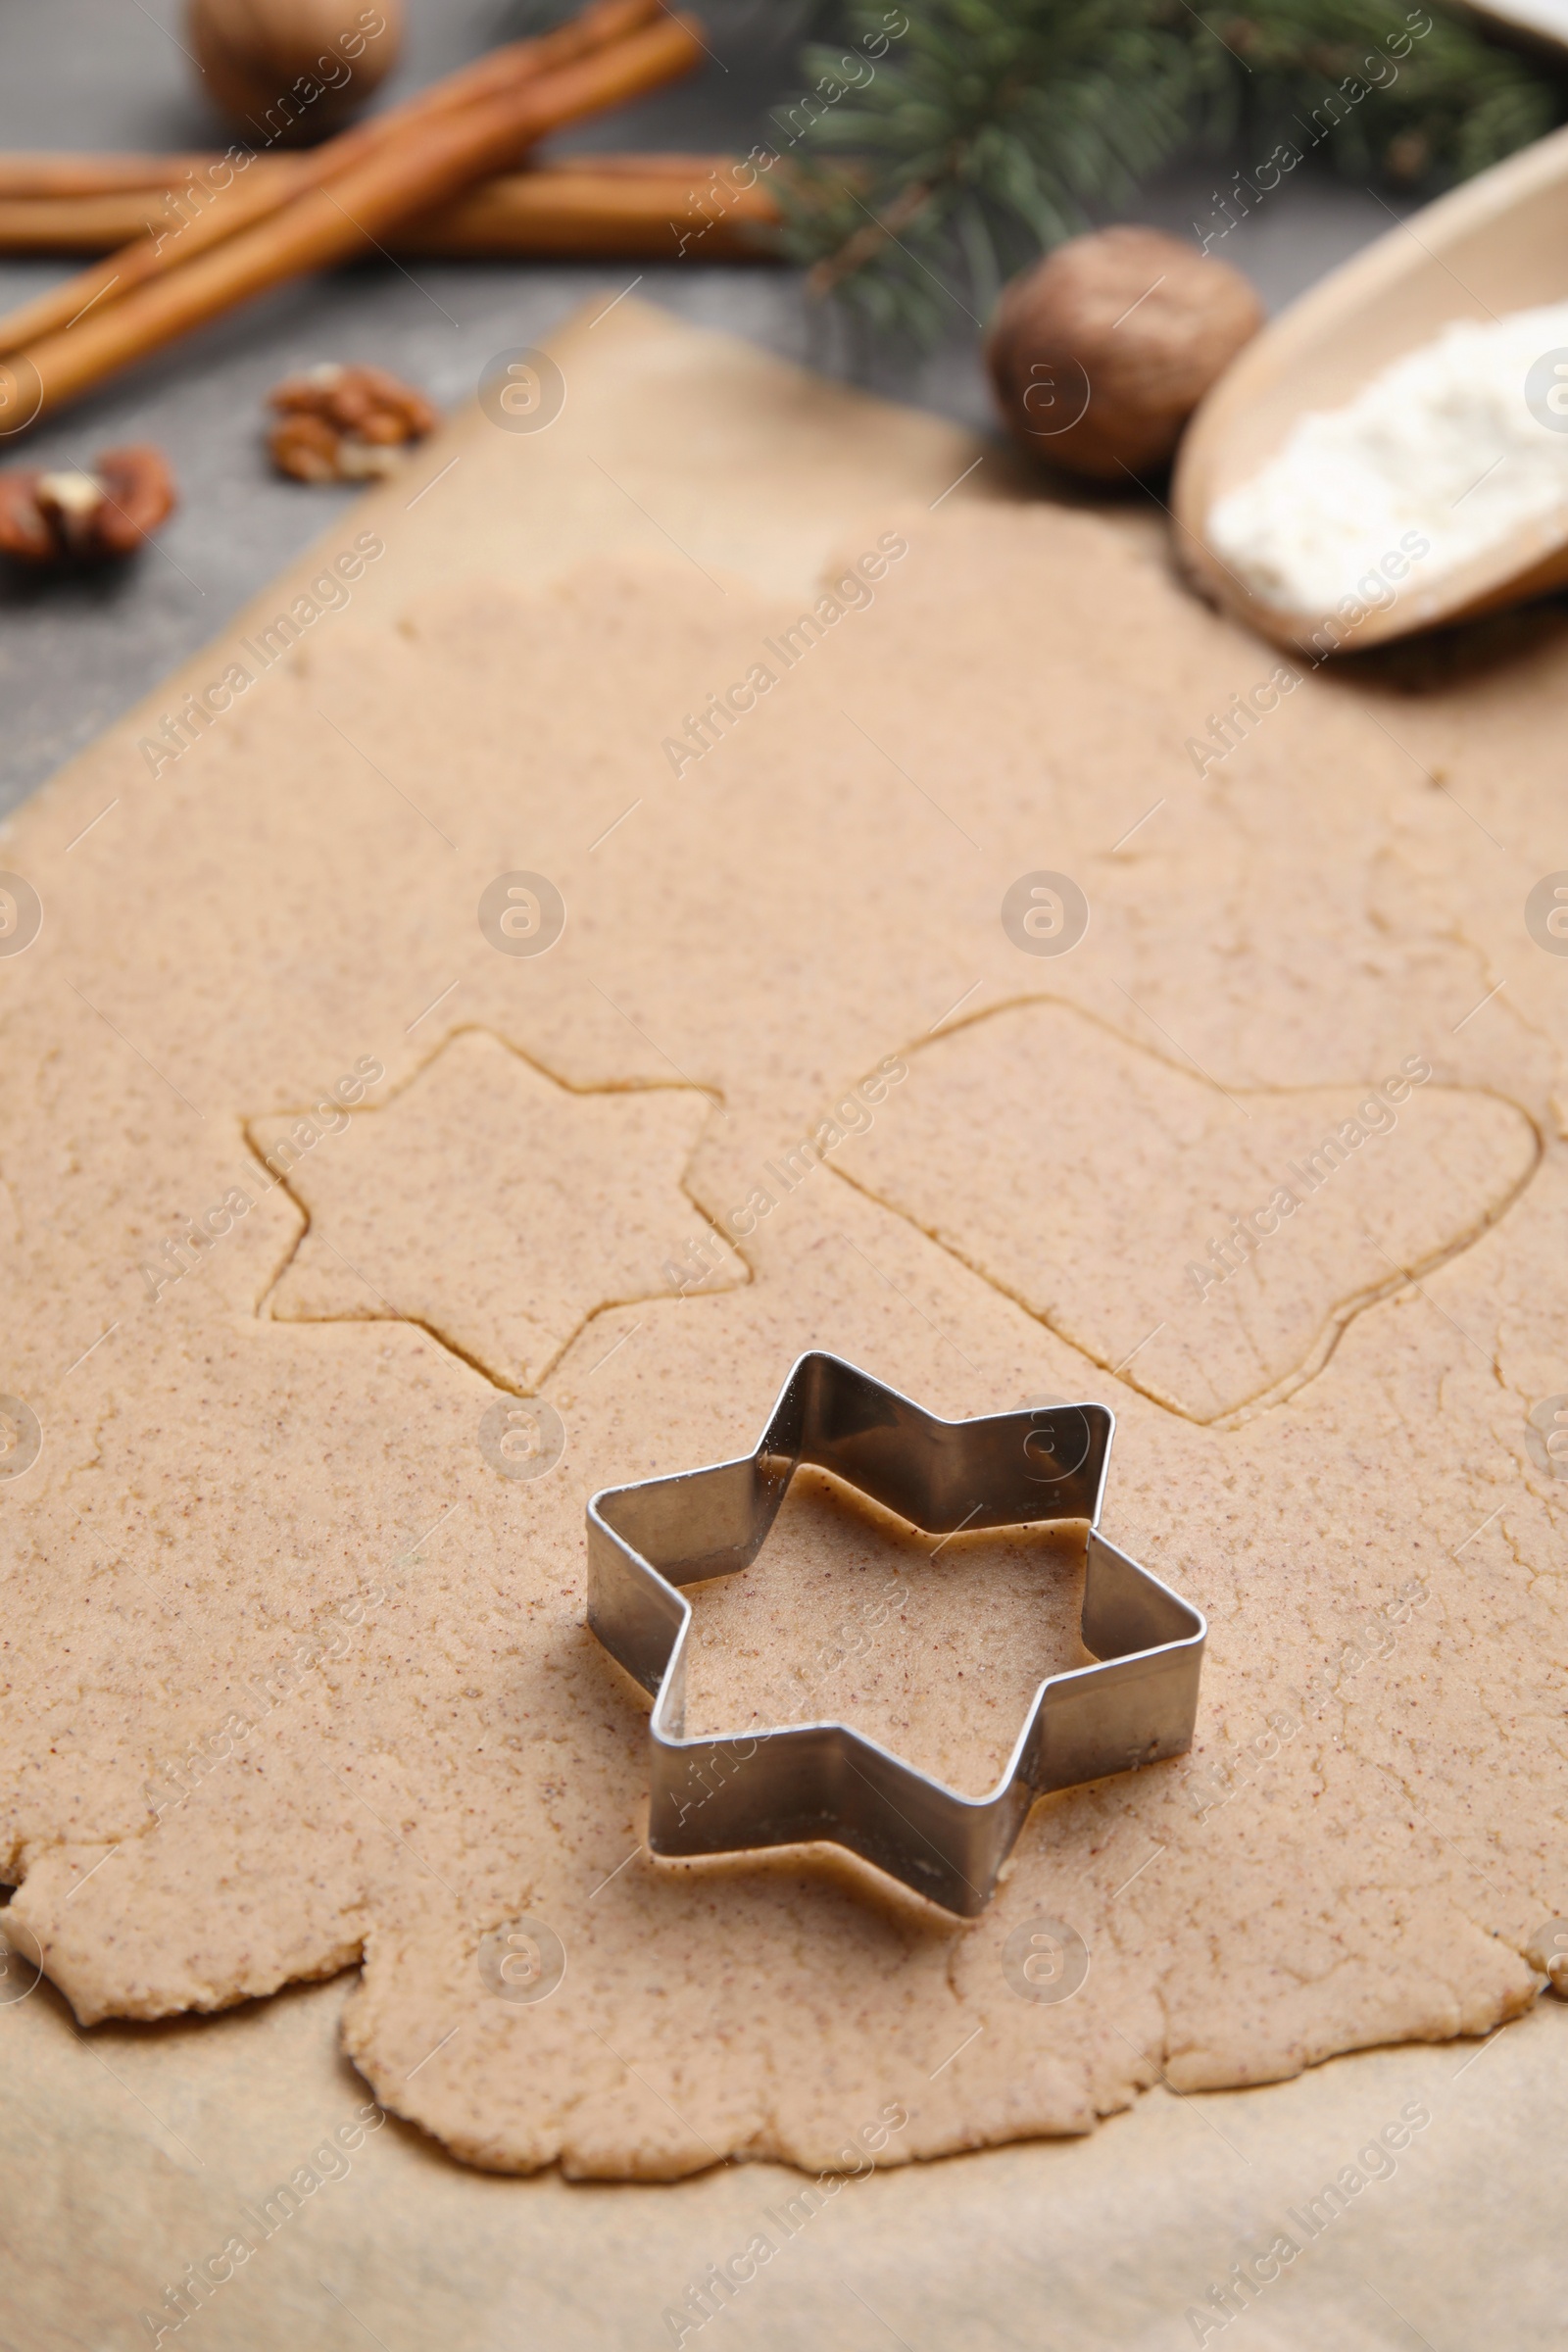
(1388, 99)
(941, 144)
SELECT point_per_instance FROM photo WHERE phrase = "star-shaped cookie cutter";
(813, 1782)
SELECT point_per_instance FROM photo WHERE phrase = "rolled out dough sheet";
(265, 1530)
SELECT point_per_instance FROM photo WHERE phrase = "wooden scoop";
(1498, 244)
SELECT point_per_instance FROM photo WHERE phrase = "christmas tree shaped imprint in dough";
(491, 1205)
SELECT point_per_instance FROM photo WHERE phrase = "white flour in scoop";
(1458, 443)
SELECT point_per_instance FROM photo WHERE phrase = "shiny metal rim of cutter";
(813, 1782)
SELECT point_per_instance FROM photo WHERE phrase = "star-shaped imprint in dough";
(491, 1205)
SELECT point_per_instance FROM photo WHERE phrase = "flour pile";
(1457, 444)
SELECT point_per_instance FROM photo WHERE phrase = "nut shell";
(1099, 352)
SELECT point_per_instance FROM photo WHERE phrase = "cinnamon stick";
(262, 184)
(647, 207)
(86, 223)
(575, 215)
(46, 173)
(321, 226)
(67, 172)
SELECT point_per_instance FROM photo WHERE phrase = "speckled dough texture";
(296, 1676)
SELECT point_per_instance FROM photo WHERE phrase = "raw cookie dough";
(935, 1647)
(1246, 1228)
(489, 1204)
(294, 1676)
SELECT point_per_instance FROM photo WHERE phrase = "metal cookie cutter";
(821, 1781)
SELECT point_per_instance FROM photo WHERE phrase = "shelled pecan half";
(345, 424)
(63, 516)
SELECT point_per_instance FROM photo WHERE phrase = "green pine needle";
(939, 145)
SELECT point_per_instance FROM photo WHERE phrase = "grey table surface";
(115, 74)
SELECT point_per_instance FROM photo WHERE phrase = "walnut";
(291, 69)
(65, 517)
(345, 424)
(1101, 352)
